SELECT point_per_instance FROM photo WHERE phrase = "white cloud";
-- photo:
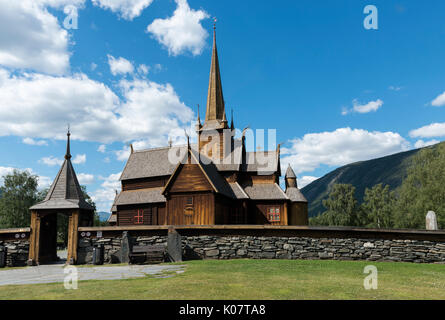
(143, 69)
(369, 107)
(127, 9)
(33, 142)
(439, 100)
(51, 161)
(119, 65)
(80, 159)
(43, 181)
(93, 66)
(104, 196)
(39, 106)
(421, 143)
(305, 180)
(340, 147)
(31, 37)
(181, 32)
(102, 148)
(85, 178)
(429, 131)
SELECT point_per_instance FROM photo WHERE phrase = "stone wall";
(112, 247)
(335, 244)
(18, 251)
(232, 247)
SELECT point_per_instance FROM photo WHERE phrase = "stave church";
(214, 181)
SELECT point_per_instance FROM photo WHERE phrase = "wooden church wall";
(152, 214)
(189, 179)
(191, 208)
(259, 212)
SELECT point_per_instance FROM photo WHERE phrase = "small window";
(274, 214)
(139, 217)
(189, 201)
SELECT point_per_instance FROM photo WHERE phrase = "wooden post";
(34, 239)
(72, 237)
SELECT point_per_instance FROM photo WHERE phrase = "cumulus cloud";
(340, 147)
(439, 100)
(33, 142)
(85, 178)
(51, 161)
(36, 105)
(31, 37)
(421, 143)
(429, 131)
(371, 106)
(120, 65)
(80, 159)
(104, 196)
(127, 9)
(181, 32)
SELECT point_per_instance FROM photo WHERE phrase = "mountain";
(103, 216)
(390, 170)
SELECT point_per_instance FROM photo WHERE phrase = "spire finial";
(199, 118)
(214, 23)
(68, 151)
(170, 142)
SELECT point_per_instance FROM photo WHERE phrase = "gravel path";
(55, 273)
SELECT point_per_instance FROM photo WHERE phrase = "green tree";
(423, 189)
(18, 193)
(341, 206)
(378, 206)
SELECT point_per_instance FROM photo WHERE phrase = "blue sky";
(134, 71)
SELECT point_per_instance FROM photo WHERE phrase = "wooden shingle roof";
(65, 191)
(265, 191)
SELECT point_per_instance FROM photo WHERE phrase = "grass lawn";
(258, 279)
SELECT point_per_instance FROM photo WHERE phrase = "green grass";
(258, 279)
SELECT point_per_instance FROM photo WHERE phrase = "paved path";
(55, 273)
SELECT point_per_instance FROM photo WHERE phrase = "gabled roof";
(218, 183)
(295, 195)
(139, 196)
(65, 192)
(265, 191)
(238, 191)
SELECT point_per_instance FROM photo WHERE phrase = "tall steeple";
(215, 113)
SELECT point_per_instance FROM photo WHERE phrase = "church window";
(273, 214)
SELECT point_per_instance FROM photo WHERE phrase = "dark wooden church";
(216, 181)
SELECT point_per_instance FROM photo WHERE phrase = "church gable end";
(190, 178)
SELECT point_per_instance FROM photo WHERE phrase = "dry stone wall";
(17, 252)
(275, 247)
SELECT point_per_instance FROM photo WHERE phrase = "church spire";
(215, 100)
(68, 151)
